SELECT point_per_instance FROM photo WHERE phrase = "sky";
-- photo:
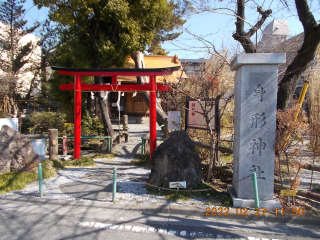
(33, 14)
(218, 28)
(215, 28)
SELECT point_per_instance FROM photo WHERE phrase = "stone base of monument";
(249, 203)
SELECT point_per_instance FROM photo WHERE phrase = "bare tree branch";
(244, 37)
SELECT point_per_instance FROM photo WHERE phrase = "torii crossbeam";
(77, 87)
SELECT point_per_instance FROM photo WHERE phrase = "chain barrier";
(272, 211)
(175, 190)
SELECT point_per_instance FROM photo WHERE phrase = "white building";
(274, 33)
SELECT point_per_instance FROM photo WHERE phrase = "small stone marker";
(53, 144)
(125, 122)
(255, 126)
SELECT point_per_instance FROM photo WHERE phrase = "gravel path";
(131, 191)
(305, 175)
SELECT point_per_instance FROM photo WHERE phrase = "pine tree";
(16, 52)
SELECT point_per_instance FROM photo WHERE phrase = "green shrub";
(91, 126)
(47, 120)
(108, 155)
(47, 169)
(57, 164)
(141, 160)
(81, 162)
(68, 130)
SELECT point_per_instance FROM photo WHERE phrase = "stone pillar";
(125, 122)
(53, 144)
(255, 127)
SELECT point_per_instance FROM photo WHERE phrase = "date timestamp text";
(221, 211)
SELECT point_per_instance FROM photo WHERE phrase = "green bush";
(68, 130)
(57, 164)
(108, 155)
(47, 120)
(91, 126)
(141, 160)
(81, 162)
(47, 169)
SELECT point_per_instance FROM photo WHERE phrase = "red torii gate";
(77, 86)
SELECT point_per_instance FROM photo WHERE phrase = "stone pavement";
(187, 222)
(104, 171)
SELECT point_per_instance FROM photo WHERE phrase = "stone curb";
(185, 211)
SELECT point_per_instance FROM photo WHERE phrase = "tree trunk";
(103, 104)
(244, 37)
(90, 103)
(13, 107)
(304, 57)
(139, 63)
(161, 115)
(212, 162)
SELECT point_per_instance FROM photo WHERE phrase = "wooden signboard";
(195, 117)
(290, 193)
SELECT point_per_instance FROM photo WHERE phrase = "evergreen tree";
(16, 56)
(104, 33)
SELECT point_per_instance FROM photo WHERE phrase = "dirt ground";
(310, 206)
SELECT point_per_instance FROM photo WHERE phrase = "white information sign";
(174, 120)
(40, 147)
(11, 122)
(178, 185)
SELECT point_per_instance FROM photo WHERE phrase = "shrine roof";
(114, 71)
(167, 69)
(159, 61)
